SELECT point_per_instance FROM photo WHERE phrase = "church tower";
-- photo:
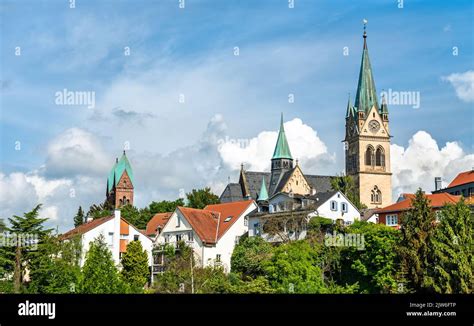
(120, 183)
(282, 161)
(368, 140)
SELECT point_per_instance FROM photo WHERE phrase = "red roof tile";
(86, 227)
(212, 222)
(436, 200)
(462, 178)
(231, 210)
(159, 220)
(204, 223)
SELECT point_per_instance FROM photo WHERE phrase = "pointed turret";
(282, 150)
(366, 96)
(263, 195)
(282, 161)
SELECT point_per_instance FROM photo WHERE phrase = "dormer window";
(228, 218)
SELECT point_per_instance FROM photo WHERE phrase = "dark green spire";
(366, 95)
(263, 195)
(282, 150)
(349, 107)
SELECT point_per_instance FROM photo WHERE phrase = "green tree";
(452, 258)
(417, 227)
(57, 270)
(346, 185)
(373, 266)
(98, 211)
(79, 218)
(164, 206)
(177, 277)
(135, 270)
(249, 255)
(99, 273)
(295, 267)
(201, 198)
(30, 234)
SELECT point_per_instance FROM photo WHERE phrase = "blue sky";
(190, 51)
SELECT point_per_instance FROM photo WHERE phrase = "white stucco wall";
(325, 210)
(113, 242)
(206, 254)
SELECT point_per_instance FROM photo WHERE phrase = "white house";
(117, 233)
(211, 232)
(333, 205)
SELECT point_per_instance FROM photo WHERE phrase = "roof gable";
(462, 178)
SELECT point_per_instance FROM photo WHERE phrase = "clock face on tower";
(374, 126)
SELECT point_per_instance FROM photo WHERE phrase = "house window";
(333, 204)
(178, 237)
(135, 237)
(256, 227)
(178, 221)
(237, 239)
(111, 238)
(167, 238)
(391, 220)
(228, 218)
(246, 221)
(344, 207)
(190, 236)
(218, 258)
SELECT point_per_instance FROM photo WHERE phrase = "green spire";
(263, 195)
(366, 96)
(118, 169)
(282, 150)
(349, 107)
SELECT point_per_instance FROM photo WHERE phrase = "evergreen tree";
(201, 198)
(452, 258)
(417, 227)
(79, 218)
(135, 270)
(99, 273)
(57, 270)
(30, 234)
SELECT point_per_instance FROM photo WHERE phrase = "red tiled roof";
(436, 200)
(233, 209)
(462, 178)
(210, 223)
(159, 220)
(204, 223)
(86, 227)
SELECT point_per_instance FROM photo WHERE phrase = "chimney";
(437, 183)
(116, 237)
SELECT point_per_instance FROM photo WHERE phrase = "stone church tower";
(120, 183)
(368, 140)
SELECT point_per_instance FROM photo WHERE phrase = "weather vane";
(365, 27)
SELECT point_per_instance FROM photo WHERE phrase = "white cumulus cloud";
(255, 153)
(422, 160)
(463, 84)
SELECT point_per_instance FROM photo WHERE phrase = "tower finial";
(365, 21)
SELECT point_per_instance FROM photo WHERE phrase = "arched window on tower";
(369, 156)
(125, 201)
(376, 196)
(380, 157)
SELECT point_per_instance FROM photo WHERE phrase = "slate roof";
(232, 192)
(322, 197)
